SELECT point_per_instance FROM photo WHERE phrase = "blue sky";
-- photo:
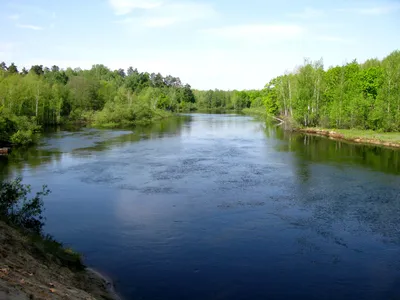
(225, 44)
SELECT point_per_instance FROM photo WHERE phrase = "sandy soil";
(24, 275)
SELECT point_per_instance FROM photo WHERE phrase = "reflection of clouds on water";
(149, 217)
(314, 149)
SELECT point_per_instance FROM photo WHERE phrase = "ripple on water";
(214, 209)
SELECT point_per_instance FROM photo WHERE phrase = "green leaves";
(365, 96)
(352, 95)
(17, 208)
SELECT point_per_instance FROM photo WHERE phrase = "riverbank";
(29, 271)
(387, 139)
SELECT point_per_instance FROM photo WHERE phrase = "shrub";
(26, 214)
(23, 138)
(17, 130)
(16, 208)
(7, 128)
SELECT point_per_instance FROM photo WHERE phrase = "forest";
(30, 100)
(354, 95)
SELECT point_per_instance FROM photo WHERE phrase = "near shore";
(28, 272)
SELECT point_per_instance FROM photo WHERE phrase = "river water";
(223, 207)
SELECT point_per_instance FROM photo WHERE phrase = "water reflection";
(324, 150)
(78, 141)
(333, 186)
(12, 165)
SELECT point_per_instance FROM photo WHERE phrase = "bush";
(26, 215)
(17, 130)
(23, 138)
(16, 208)
(25, 124)
(7, 128)
(114, 115)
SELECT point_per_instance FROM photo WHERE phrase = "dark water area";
(223, 207)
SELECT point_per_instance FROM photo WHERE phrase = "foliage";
(26, 215)
(7, 127)
(23, 138)
(17, 130)
(17, 208)
(258, 112)
(228, 100)
(100, 96)
(360, 96)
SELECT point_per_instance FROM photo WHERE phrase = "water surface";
(223, 207)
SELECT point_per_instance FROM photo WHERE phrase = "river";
(222, 207)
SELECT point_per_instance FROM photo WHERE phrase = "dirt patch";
(26, 275)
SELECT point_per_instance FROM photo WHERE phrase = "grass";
(367, 136)
(48, 248)
(392, 137)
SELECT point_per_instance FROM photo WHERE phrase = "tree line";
(228, 100)
(354, 95)
(43, 96)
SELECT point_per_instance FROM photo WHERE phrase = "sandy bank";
(26, 274)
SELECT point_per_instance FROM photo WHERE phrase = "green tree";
(12, 69)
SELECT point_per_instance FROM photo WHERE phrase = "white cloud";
(258, 31)
(170, 14)
(28, 8)
(125, 21)
(159, 22)
(6, 46)
(29, 26)
(8, 50)
(15, 17)
(379, 10)
(308, 13)
(148, 21)
(174, 13)
(334, 39)
(373, 10)
(123, 7)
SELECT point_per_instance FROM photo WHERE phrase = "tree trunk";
(37, 102)
(284, 99)
(290, 98)
(37, 105)
(318, 92)
(129, 99)
(388, 109)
